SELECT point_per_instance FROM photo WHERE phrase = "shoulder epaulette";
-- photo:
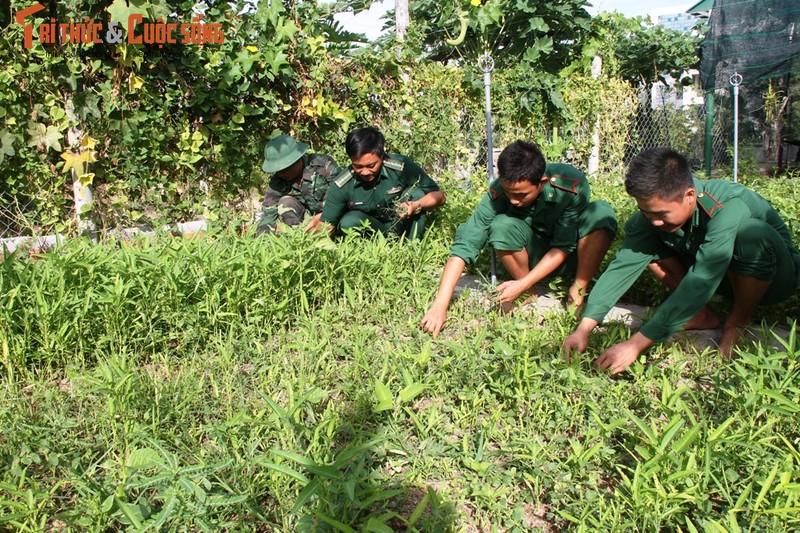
(394, 164)
(709, 204)
(342, 180)
(565, 184)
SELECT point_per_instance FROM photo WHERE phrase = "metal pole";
(486, 64)
(736, 80)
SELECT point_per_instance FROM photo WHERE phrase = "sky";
(369, 23)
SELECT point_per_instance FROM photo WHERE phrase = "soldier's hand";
(408, 209)
(618, 357)
(577, 342)
(313, 225)
(433, 321)
(510, 291)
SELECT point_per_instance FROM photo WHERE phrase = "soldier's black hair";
(521, 161)
(658, 173)
(364, 141)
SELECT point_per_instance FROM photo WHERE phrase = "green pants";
(759, 252)
(514, 234)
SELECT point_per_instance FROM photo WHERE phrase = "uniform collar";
(695, 220)
(548, 191)
(381, 175)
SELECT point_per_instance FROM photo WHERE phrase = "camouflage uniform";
(290, 202)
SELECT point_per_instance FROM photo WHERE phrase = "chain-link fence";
(677, 119)
(663, 118)
(26, 209)
(767, 128)
(13, 214)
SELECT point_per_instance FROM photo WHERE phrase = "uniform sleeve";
(269, 210)
(565, 231)
(704, 276)
(472, 235)
(639, 248)
(329, 171)
(335, 205)
(417, 177)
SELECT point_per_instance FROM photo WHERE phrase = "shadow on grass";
(359, 490)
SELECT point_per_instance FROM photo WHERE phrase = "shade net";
(757, 39)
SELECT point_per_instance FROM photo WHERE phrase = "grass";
(281, 383)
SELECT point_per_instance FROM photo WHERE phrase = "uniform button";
(553, 178)
(700, 195)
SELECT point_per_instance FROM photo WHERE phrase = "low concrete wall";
(47, 242)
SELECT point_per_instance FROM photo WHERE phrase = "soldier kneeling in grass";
(298, 184)
(539, 220)
(698, 238)
(389, 193)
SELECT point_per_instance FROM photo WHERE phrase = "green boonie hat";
(281, 152)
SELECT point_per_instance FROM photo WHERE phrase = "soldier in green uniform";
(539, 220)
(698, 238)
(390, 192)
(298, 186)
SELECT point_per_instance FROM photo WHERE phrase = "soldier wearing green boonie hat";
(298, 185)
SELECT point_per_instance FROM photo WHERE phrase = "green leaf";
(719, 430)
(119, 11)
(6, 144)
(419, 509)
(765, 487)
(143, 458)
(275, 60)
(313, 467)
(383, 396)
(44, 137)
(131, 511)
(308, 491)
(684, 442)
(283, 469)
(411, 391)
(108, 504)
(339, 526)
(375, 526)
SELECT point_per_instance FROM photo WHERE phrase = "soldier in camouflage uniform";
(698, 238)
(539, 220)
(298, 186)
(391, 193)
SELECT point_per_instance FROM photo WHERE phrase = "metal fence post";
(736, 80)
(486, 64)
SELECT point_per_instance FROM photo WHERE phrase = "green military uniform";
(560, 216)
(350, 203)
(732, 228)
(291, 201)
